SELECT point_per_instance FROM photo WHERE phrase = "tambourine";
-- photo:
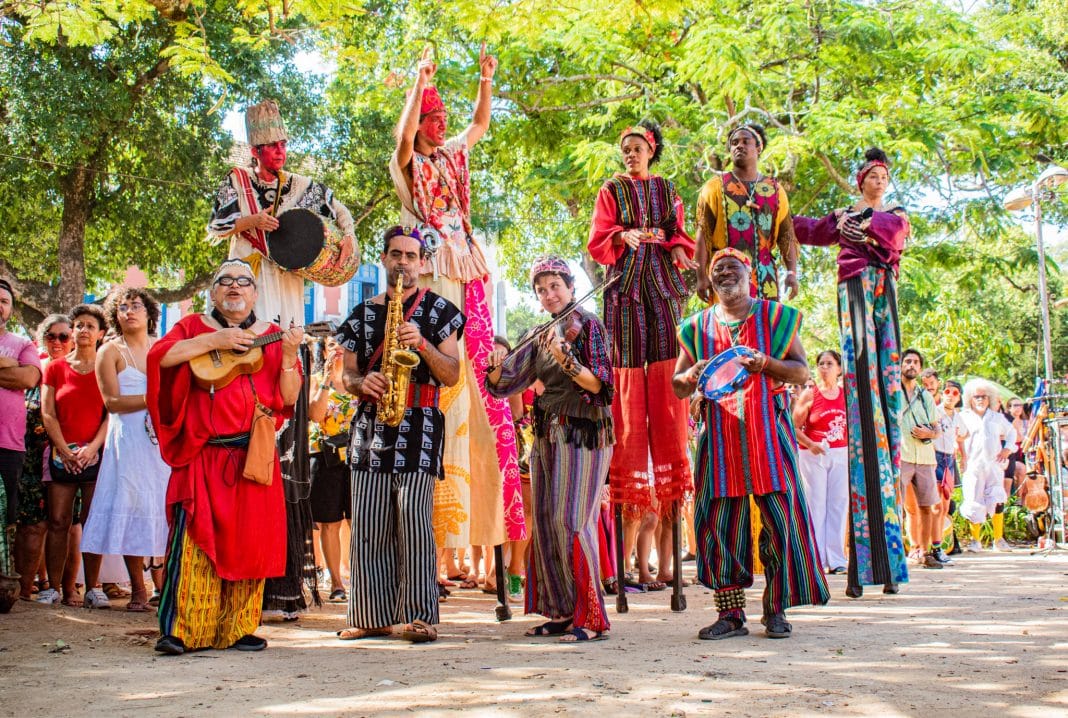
(725, 374)
(310, 245)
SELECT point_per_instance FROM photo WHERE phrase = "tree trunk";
(77, 209)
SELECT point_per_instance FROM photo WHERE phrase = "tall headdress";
(263, 124)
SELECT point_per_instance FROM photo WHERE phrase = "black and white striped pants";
(392, 554)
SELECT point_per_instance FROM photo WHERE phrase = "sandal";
(137, 607)
(419, 632)
(723, 628)
(355, 634)
(579, 635)
(468, 583)
(776, 625)
(550, 628)
(114, 591)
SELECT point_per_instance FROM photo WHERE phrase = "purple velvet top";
(886, 235)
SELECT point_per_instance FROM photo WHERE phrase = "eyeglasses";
(131, 307)
(951, 392)
(62, 337)
(226, 281)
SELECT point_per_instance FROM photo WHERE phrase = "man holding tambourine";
(747, 449)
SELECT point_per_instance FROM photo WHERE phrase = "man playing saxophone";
(396, 456)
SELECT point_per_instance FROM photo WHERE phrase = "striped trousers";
(786, 548)
(392, 555)
(198, 607)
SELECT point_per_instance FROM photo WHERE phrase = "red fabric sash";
(257, 237)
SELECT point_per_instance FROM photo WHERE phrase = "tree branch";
(587, 77)
(173, 10)
(839, 180)
(534, 109)
(185, 291)
(369, 207)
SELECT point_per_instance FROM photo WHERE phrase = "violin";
(568, 321)
(570, 328)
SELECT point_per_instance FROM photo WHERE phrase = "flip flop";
(580, 636)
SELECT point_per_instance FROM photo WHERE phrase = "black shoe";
(250, 643)
(776, 626)
(170, 645)
(837, 570)
(956, 549)
(688, 556)
(890, 587)
(854, 591)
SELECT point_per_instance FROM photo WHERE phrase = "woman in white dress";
(128, 515)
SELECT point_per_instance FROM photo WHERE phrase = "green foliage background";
(967, 104)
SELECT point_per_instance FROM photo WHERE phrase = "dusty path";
(988, 636)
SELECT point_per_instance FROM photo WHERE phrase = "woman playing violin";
(569, 460)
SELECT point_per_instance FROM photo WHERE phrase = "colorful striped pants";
(198, 607)
(786, 548)
(563, 576)
(392, 554)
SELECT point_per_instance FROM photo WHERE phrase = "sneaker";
(1002, 545)
(916, 554)
(95, 598)
(48, 596)
(930, 561)
(943, 559)
(974, 547)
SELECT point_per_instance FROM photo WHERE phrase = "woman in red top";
(820, 415)
(72, 411)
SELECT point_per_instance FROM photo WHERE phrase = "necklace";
(750, 189)
(734, 328)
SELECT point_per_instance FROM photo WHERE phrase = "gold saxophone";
(397, 363)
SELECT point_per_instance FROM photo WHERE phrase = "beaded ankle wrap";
(730, 599)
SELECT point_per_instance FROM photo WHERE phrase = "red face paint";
(434, 127)
(272, 157)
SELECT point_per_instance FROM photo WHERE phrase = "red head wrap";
(741, 257)
(868, 167)
(731, 252)
(431, 101)
(643, 132)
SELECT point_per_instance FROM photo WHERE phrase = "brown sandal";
(419, 632)
(355, 634)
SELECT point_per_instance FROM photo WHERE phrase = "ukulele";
(217, 368)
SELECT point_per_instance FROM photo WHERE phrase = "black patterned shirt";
(417, 444)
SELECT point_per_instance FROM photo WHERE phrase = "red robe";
(239, 524)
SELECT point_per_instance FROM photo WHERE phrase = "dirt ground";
(988, 636)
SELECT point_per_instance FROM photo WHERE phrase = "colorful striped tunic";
(748, 440)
